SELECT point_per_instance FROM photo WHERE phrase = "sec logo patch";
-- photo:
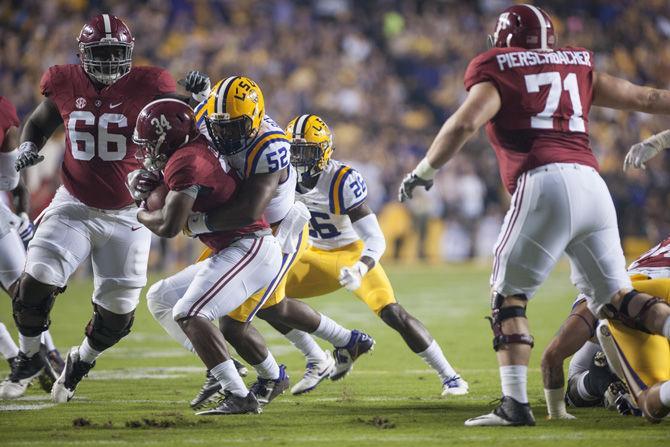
(80, 103)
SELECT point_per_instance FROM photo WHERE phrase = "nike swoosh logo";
(111, 106)
(135, 228)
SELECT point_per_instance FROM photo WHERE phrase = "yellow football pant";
(317, 271)
(648, 355)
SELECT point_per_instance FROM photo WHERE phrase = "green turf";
(138, 393)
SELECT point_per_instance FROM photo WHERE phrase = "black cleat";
(24, 370)
(232, 404)
(509, 412)
(209, 390)
(74, 371)
(267, 389)
(242, 370)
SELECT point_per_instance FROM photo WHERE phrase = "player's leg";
(533, 236)
(577, 329)
(12, 260)
(220, 286)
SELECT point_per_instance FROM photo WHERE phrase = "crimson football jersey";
(657, 260)
(8, 118)
(99, 124)
(545, 101)
(196, 164)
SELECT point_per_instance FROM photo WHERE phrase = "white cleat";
(23, 370)
(14, 390)
(73, 372)
(314, 374)
(455, 386)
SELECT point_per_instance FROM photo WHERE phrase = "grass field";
(138, 393)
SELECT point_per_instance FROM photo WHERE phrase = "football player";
(233, 118)
(534, 100)
(347, 243)
(97, 101)
(15, 232)
(244, 260)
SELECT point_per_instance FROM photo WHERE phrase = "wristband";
(424, 170)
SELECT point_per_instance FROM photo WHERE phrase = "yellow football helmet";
(311, 144)
(234, 112)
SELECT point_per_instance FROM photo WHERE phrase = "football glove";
(351, 277)
(29, 155)
(141, 182)
(410, 182)
(198, 84)
(642, 152)
(25, 228)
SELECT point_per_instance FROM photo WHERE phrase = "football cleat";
(314, 374)
(10, 361)
(209, 390)
(232, 404)
(454, 386)
(24, 370)
(242, 370)
(73, 372)
(359, 344)
(509, 412)
(266, 390)
(53, 367)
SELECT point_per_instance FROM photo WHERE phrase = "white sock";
(268, 368)
(666, 328)
(48, 341)
(555, 402)
(306, 344)
(665, 394)
(230, 380)
(29, 345)
(435, 358)
(332, 332)
(87, 353)
(8, 348)
(513, 380)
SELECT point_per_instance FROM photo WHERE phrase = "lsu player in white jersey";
(346, 244)
(232, 116)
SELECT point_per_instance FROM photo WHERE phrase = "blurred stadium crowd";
(384, 74)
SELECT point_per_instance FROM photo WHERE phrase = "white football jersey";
(268, 152)
(339, 189)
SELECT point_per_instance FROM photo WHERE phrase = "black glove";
(29, 155)
(410, 182)
(197, 83)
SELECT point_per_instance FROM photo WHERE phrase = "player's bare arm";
(37, 129)
(616, 93)
(169, 220)
(254, 196)
(481, 104)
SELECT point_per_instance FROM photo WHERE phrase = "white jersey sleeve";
(200, 112)
(270, 150)
(347, 190)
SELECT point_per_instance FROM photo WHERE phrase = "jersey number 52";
(83, 144)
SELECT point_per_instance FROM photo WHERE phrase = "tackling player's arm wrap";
(253, 198)
(367, 227)
(500, 313)
(169, 220)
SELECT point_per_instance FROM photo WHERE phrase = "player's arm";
(248, 207)
(616, 93)
(367, 228)
(9, 178)
(169, 220)
(37, 129)
(481, 104)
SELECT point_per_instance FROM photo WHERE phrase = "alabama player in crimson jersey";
(534, 100)
(245, 259)
(93, 213)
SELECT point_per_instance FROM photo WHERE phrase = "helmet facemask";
(307, 159)
(106, 61)
(149, 153)
(230, 136)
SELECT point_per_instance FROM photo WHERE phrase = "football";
(156, 198)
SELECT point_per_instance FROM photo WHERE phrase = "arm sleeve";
(46, 87)
(180, 173)
(368, 229)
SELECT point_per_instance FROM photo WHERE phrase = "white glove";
(351, 277)
(196, 224)
(141, 182)
(640, 153)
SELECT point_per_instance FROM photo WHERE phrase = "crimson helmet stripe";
(222, 93)
(108, 26)
(543, 25)
(300, 124)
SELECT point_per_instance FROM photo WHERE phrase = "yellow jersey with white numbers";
(340, 188)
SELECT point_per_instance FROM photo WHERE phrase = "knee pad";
(105, 329)
(32, 304)
(633, 321)
(500, 314)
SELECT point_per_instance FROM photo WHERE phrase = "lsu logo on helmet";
(233, 113)
(311, 144)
